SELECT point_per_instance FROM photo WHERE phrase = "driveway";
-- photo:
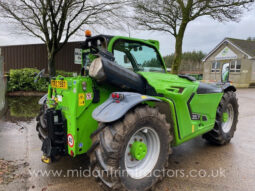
(193, 166)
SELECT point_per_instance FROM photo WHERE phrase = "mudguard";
(43, 99)
(112, 109)
(228, 87)
(205, 88)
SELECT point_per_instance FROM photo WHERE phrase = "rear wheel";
(41, 126)
(226, 120)
(132, 153)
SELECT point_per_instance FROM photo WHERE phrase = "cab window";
(137, 56)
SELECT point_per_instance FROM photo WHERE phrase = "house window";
(235, 66)
(215, 67)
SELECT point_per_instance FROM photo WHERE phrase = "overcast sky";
(202, 34)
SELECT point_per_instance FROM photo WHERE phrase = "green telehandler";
(126, 112)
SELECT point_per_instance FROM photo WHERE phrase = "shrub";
(23, 80)
(63, 73)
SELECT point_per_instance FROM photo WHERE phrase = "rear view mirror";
(225, 72)
(39, 75)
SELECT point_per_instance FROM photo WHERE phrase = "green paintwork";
(225, 117)
(176, 93)
(80, 123)
(203, 104)
(138, 150)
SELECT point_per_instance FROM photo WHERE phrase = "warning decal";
(88, 96)
(81, 99)
(70, 140)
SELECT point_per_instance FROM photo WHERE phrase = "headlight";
(96, 69)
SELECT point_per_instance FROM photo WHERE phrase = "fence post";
(2, 86)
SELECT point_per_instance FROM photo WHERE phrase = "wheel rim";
(138, 166)
(228, 117)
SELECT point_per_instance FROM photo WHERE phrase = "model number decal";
(81, 99)
(70, 140)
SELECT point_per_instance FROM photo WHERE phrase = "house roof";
(245, 46)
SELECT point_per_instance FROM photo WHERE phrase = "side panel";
(77, 107)
(195, 113)
(194, 128)
(179, 91)
(205, 105)
(85, 124)
(182, 110)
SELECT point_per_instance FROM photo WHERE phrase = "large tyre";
(132, 153)
(41, 126)
(226, 120)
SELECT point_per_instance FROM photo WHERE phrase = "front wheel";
(226, 120)
(133, 152)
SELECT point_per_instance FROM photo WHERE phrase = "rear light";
(117, 96)
(72, 153)
(84, 86)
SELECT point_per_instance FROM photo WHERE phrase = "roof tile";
(247, 46)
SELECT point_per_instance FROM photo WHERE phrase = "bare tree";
(55, 21)
(173, 16)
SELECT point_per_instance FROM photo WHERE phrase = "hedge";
(23, 80)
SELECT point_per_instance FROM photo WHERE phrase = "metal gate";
(2, 86)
